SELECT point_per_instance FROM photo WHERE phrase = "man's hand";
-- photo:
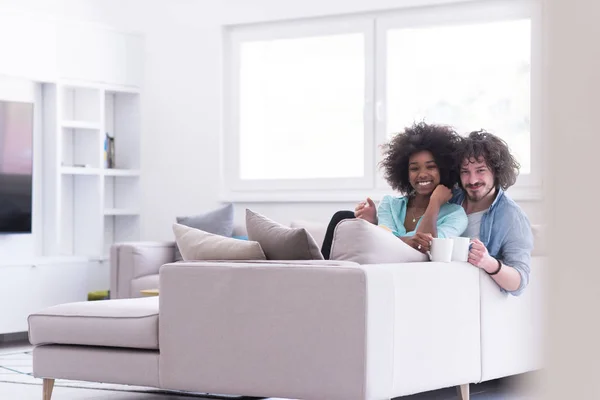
(366, 210)
(420, 241)
(441, 194)
(479, 257)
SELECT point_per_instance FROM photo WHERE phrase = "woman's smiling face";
(423, 172)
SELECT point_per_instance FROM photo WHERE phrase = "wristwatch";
(498, 270)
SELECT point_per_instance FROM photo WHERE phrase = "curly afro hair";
(441, 140)
(496, 154)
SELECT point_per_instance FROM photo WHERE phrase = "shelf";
(80, 125)
(80, 171)
(120, 211)
(96, 206)
(121, 172)
(99, 171)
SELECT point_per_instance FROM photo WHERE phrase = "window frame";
(374, 26)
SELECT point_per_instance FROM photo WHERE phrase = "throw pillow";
(196, 244)
(364, 243)
(316, 229)
(219, 222)
(280, 242)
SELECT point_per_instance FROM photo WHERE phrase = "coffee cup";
(460, 250)
(441, 250)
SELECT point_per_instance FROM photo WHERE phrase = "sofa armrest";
(512, 327)
(132, 260)
(436, 325)
(318, 331)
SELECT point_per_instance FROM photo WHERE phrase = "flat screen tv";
(16, 166)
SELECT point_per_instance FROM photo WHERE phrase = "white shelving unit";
(97, 205)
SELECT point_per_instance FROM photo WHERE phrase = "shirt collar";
(499, 195)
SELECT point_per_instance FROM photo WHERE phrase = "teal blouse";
(452, 220)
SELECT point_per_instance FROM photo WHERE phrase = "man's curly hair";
(496, 154)
(441, 140)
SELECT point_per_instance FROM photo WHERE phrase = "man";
(500, 231)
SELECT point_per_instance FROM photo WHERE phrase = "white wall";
(85, 10)
(181, 101)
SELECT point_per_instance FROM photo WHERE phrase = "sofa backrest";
(318, 229)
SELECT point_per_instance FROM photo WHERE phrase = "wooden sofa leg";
(463, 392)
(48, 386)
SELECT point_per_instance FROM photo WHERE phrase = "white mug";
(460, 251)
(441, 250)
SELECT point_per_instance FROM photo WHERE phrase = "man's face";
(476, 178)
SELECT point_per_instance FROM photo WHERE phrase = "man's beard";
(480, 194)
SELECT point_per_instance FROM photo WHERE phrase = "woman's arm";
(384, 214)
(429, 221)
(454, 223)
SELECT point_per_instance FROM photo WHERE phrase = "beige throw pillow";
(195, 244)
(280, 242)
(364, 243)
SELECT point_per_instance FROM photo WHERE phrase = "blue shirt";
(391, 213)
(506, 233)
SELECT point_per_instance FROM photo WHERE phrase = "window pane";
(301, 108)
(472, 77)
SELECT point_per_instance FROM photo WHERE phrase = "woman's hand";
(366, 210)
(441, 195)
(420, 241)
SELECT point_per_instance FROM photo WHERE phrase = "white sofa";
(297, 329)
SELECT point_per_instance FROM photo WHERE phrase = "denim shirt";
(506, 233)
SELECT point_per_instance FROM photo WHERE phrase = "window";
(468, 76)
(307, 104)
(298, 98)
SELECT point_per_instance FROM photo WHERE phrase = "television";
(16, 166)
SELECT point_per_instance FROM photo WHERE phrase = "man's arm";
(515, 257)
(508, 278)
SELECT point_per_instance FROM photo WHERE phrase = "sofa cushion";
(131, 323)
(364, 243)
(199, 245)
(280, 242)
(219, 222)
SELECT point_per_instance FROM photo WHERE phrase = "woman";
(421, 163)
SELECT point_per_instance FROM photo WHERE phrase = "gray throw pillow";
(280, 242)
(196, 244)
(218, 222)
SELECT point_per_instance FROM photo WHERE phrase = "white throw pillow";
(364, 243)
(196, 244)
